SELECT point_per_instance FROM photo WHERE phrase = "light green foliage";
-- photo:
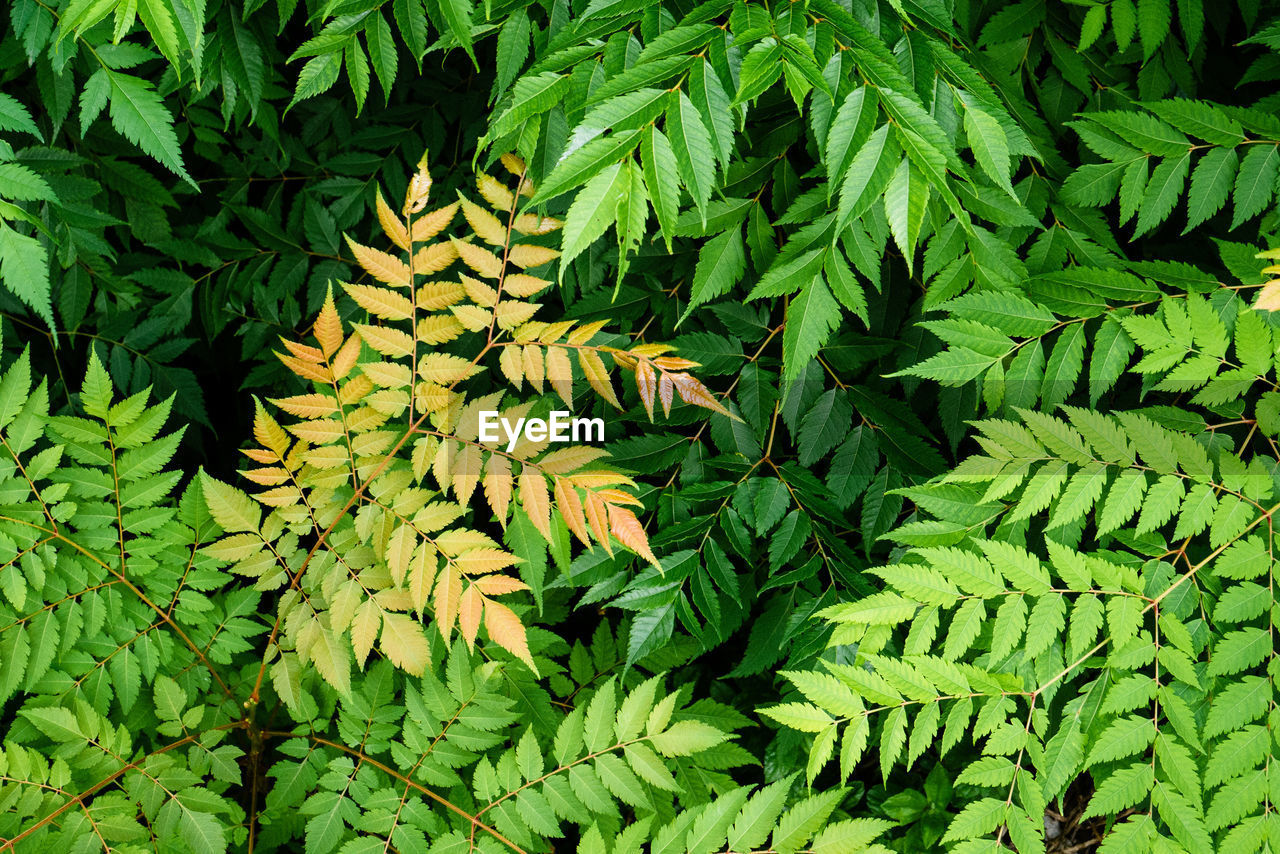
(1109, 614)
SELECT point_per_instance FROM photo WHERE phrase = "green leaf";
(139, 115)
(868, 175)
(15, 117)
(811, 317)
(691, 144)
(24, 268)
(593, 211)
(989, 145)
(721, 262)
(1255, 183)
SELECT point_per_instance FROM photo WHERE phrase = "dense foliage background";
(981, 555)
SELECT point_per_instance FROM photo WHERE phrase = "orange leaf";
(666, 393)
(470, 605)
(484, 224)
(597, 515)
(560, 373)
(495, 192)
(627, 528)
(306, 370)
(646, 384)
(505, 630)
(692, 391)
(328, 327)
(307, 405)
(448, 588)
(496, 585)
(571, 509)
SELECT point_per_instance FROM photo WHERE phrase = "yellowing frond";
(380, 265)
(486, 226)
(391, 224)
(381, 302)
(525, 255)
(479, 259)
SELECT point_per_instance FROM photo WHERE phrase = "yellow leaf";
(479, 293)
(496, 585)
(534, 224)
(404, 644)
(320, 432)
(473, 317)
(433, 258)
(387, 374)
(483, 223)
(495, 192)
(331, 660)
(281, 496)
(364, 629)
(328, 457)
(553, 331)
(268, 432)
(415, 198)
(560, 373)
(306, 370)
(627, 528)
(400, 548)
(514, 164)
(497, 486)
(525, 255)
(512, 365)
(307, 405)
(388, 401)
(481, 260)
(448, 589)
(570, 507)
(343, 604)
(466, 473)
(534, 369)
(445, 369)
(422, 572)
(380, 265)
(535, 500)
(381, 302)
(328, 327)
(512, 313)
(436, 515)
(470, 604)
(346, 358)
(434, 296)
(429, 225)
(391, 224)
(485, 560)
(354, 390)
(505, 630)
(523, 285)
(438, 329)
(597, 375)
(586, 331)
(387, 341)
(1269, 297)
(459, 540)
